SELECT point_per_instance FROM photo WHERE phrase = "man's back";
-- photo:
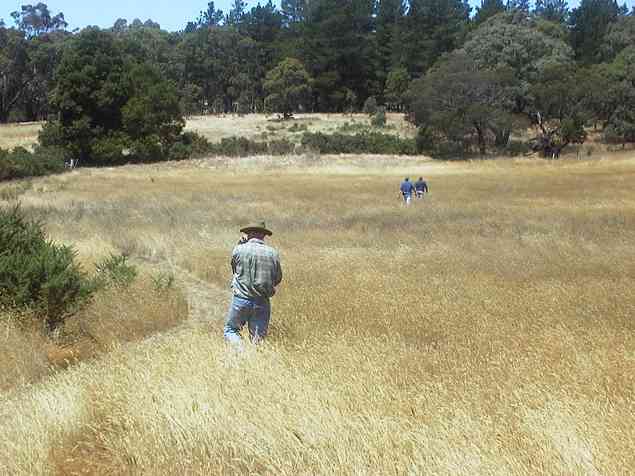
(421, 186)
(406, 187)
(256, 268)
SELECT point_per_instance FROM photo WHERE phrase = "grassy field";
(19, 135)
(258, 127)
(487, 330)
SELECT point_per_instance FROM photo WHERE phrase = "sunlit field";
(488, 329)
(257, 127)
(19, 135)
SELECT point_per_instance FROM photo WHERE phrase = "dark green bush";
(424, 140)
(298, 127)
(379, 118)
(35, 273)
(111, 150)
(195, 144)
(281, 147)
(370, 106)
(238, 147)
(365, 143)
(515, 148)
(21, 163)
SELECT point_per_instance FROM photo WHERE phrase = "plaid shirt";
(256, 269)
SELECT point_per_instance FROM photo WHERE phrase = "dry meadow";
(257, 127)
(486, 330)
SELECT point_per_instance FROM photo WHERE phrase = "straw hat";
(257, 226)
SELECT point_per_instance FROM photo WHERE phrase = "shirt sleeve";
(234, 261)
(277, 270)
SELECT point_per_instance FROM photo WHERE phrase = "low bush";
(237, 147)
(370, 106)
(364, 143)
(515, 148)
(379, 118)
(35, 273)
(114, 271)
(281, 147)
(21, 163)
(298, 127)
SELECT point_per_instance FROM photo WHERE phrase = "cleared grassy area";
(487, 330)
(19, 135)
(259, 127)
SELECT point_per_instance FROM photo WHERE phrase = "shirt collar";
(257, 240)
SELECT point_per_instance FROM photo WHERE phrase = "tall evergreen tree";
(389, 16)
(552, 10)
(589, 24)
(236, 13)
(430, 29)
(488, 9)
(293, 11)
(336, 45)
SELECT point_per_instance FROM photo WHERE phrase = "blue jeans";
(255, 312)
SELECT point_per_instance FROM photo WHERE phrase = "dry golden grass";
(488, 330)
(23, 352)
(266, 127)
(259, 127)
(19, 135)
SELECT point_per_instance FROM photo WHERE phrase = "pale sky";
(171, 15)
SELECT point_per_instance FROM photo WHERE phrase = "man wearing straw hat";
(257, 272)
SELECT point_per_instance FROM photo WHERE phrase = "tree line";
(468, 79)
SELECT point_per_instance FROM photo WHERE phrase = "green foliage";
(35, 273)
(298, 127)
(370, 106)
(364, 143)
(379, 118)
(589, 24)
(114, 271)
(163, 282)
(512, 40)
(397, 84)
(20, 163)
(488, 9)
(281, 147)
(237, 147)
(288, 88)
(459, 103)
(559, 109)
(555, 11)
(111, 109)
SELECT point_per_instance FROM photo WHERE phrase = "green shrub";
(114, 271)
(111, 150)
(424, 140)
(515, 148)
(238, 147)
(370, 106)
(281, 147)
(365, 143)
(35, 273)
(379, 118)
(198, 145)
(298, 127)
(21, 163)
(352, 127)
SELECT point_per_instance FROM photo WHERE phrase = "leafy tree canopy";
(288, 87)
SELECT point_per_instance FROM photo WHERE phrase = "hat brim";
(259, 229)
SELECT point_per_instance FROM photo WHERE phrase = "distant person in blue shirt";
(421, 187)
(407, 189)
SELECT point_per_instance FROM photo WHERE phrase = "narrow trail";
(207, 302)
